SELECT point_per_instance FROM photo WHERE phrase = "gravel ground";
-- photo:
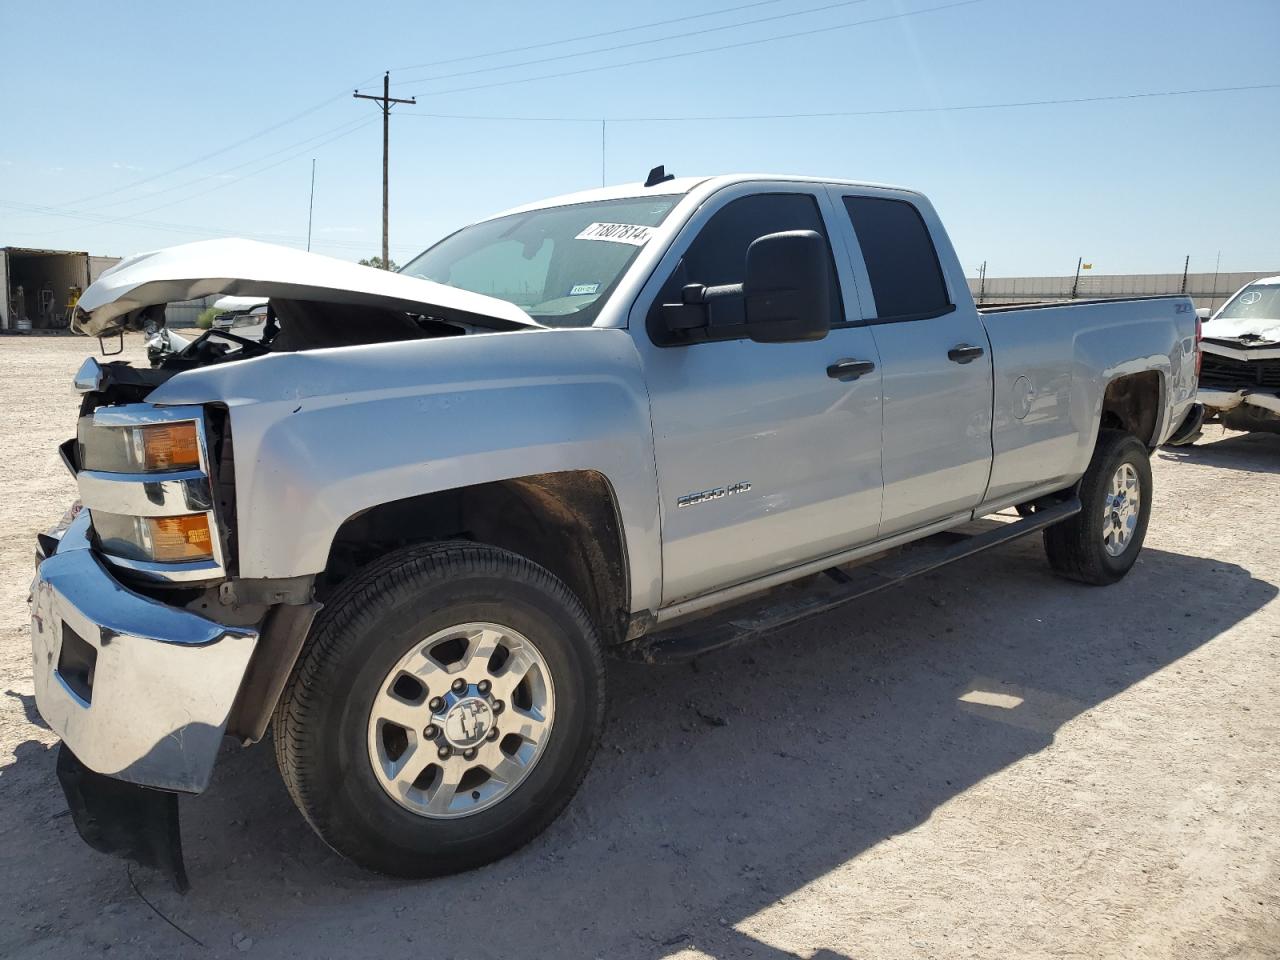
(986, 762)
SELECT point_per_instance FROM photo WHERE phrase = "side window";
(718, 255)
(906, 278)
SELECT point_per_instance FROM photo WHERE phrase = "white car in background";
(241, 312)
(1240, 377)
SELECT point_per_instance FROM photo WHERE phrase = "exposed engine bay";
(312, 303)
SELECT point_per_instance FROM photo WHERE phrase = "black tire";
(1075, 547)
(375, 618)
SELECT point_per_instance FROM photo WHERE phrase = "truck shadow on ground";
(719, 787)
(1256, 452)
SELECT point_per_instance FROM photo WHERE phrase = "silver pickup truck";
(403, 527)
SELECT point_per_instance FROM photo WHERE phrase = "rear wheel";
(444, 711)
(1102, 542)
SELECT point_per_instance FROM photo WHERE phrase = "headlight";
(164, 539)
(151, 448)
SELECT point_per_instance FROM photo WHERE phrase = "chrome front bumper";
(137, 690)
(1218, 400)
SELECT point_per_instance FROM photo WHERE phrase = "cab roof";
(681, 185)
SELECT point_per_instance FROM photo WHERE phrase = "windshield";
(1255, 302)
(558, 264)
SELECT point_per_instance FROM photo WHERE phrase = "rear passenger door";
(934, 357)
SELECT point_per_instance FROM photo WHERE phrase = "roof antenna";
(658, 175)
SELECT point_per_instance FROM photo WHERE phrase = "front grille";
(1232, 374)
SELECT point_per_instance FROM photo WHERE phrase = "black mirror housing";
(787, 287)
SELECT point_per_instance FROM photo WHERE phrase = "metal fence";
(1207, 289)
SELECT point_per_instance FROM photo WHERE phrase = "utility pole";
(311, 202)
(385, 103)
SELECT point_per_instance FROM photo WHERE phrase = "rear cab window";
(902, 263)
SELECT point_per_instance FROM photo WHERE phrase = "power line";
(165, 226)
(227, 170)
(589, 36)
(306, 147)
(312, 109)
(850, 113)
(347, 130)
(213, 153)
(640, 43)
(694, 53)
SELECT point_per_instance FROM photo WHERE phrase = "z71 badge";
(716, 493)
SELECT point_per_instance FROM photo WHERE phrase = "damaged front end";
(308, 302)
(1240, 383)
(1240, 373)
(147, 646)
(138, 690)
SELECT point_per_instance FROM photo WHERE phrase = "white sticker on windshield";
(632, 233)
(583, 289)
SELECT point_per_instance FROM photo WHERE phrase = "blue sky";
(97, 98)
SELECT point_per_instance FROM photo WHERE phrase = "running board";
(786, 605)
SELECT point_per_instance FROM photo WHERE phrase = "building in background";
(39, 288)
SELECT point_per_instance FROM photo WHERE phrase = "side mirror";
(787, 288)
(1204, 313)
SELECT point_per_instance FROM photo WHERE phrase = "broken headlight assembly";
(146, 448)
(155, 539)
(144, 475)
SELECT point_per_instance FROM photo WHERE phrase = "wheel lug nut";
(435, 704)
(459, 685)
(445, 753)
(493, 734)
(431, 732)
(498, 706)
(483, 686)
(469, 754)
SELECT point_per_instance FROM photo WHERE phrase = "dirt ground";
(986, 762)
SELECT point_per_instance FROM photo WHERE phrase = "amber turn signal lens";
(180, 538)
(170, 447)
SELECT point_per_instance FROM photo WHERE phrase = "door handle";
(964, 353)
(849, 369)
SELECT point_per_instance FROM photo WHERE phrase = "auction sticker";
(632, 233)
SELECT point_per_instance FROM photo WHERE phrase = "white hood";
(1228, 328)
(247, 268)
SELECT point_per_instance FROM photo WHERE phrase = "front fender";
(323, 435)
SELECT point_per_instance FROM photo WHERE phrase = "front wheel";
(1102, 542)
(444, 711)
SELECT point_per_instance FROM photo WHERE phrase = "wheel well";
(567, 522)
(1132, 403)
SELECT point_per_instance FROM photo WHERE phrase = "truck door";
(935, 359)
(768, 454)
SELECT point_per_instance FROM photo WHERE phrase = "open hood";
(247, 268)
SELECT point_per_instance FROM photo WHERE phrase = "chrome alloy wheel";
(461, 720)
(1120, 510)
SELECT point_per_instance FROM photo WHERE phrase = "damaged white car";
(1240, 379)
